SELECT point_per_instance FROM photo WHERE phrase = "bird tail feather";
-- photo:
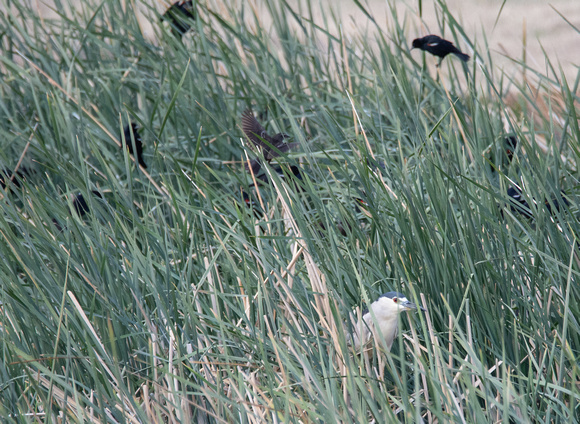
(462, 56)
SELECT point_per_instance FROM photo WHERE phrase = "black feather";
(80, 205)
(518, 203)
(271, 146)
(179, 16)
(128, 140)
(7, 174)
(439, 47)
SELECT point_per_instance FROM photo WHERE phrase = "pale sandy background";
(538, 20)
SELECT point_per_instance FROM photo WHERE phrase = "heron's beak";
(411, 305)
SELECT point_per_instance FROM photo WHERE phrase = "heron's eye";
(395, 299)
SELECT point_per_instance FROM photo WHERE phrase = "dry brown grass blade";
(91, 329)
(21, 158)
(316, 277)
(68, 403)
(435, 345)
(64, 400)
(211, 288)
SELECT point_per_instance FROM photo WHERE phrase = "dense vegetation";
(173, 301)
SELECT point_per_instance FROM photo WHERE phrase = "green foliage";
(172, 301)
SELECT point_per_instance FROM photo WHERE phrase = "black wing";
(271, 146)
(133, 128)
(178, 15)
(254, 131)
(432, 40)
(280, 148)
(518, 203)
(255, 165)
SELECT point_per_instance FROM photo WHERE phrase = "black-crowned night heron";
(386, 310)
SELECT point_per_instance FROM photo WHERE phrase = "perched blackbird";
(178, 16)
(258, 212)
(342, 228)
(255, 165)
(295, 173)
(518, 203)
(376, 164)
(247, 199)
(80, 204)
(293, 170)
(138, 143)
(437, 46)
(7, 174)
(358, 203)
(511, 144)
(271, 146)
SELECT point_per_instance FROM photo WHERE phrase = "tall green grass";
(172, 301)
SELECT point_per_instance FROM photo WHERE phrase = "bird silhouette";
(518, 203)
(386, 310)
(138, 153)
(270, 146)
(80, 206)
(437, 46)
(8, 176)
(516, 199)
(178, 16)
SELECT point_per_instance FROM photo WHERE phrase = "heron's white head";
(390, 304)
(386, 310)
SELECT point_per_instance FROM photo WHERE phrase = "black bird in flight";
(178, 16)
(271, 146)
(437, 46)
(133, 129)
